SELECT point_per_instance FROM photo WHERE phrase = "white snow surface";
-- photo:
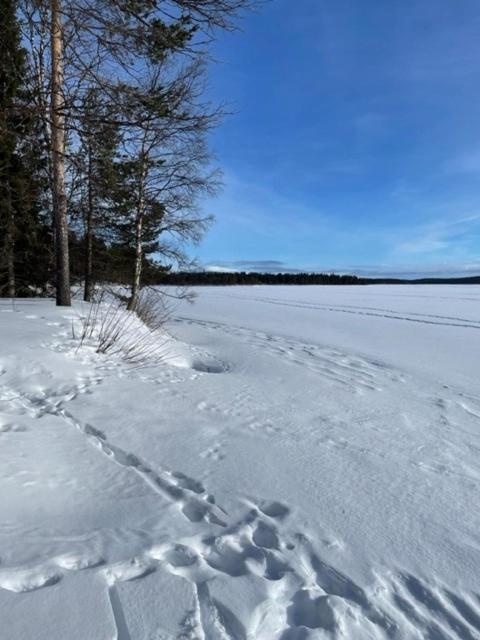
(304, 464)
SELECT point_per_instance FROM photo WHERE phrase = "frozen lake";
(304, 464)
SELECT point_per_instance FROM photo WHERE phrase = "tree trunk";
(11, 292)
(10, 249)
(58, 159)
(137, 269)
(88, 287)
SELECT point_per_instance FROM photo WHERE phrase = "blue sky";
(355, 142)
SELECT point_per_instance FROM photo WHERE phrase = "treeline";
(212, 278)
(103, 139)
(430, 280)
(186, 278)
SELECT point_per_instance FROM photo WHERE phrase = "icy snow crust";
(304, 464)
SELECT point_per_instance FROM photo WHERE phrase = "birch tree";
(106, 44)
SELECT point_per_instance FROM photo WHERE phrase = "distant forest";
(190, 278)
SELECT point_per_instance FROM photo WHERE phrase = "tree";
(165, 166)
(20, 161)
(12, 70)
(57, 118)
(93, 179)
(105, 45)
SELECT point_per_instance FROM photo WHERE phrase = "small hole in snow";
(209, 367)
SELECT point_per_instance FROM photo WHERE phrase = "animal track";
(194, 503)
(274, 509)
(311, 610)
(314, 593)
(188, 483)
(181, 556)
(10, 427)
(215, 452)
(21, 580)
(331, 364)
(311, 593)
(265, 536)
(301, 591)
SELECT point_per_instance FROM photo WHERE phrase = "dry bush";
(133, 336)
(153, 308)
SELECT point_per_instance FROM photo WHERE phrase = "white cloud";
(438, 236)
(467, 163)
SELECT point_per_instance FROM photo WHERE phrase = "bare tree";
(106, 44)
(166, 165)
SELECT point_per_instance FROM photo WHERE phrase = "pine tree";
(95, 168)
(20, 162)
(12, 69)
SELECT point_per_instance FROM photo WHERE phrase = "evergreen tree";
(22, 231)
(95, 173)
(12, 69)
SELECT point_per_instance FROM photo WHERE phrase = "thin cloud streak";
(441, 270)
(357, 143)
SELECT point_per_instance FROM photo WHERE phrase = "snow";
(303, 464)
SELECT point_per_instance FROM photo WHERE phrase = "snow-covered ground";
(305, 464)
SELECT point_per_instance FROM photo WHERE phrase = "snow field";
(291, 470)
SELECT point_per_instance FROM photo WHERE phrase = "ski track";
(303, 591)
(390, 314)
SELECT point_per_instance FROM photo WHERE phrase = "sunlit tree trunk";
(88, 287)
(58, 159)
(137, 271)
